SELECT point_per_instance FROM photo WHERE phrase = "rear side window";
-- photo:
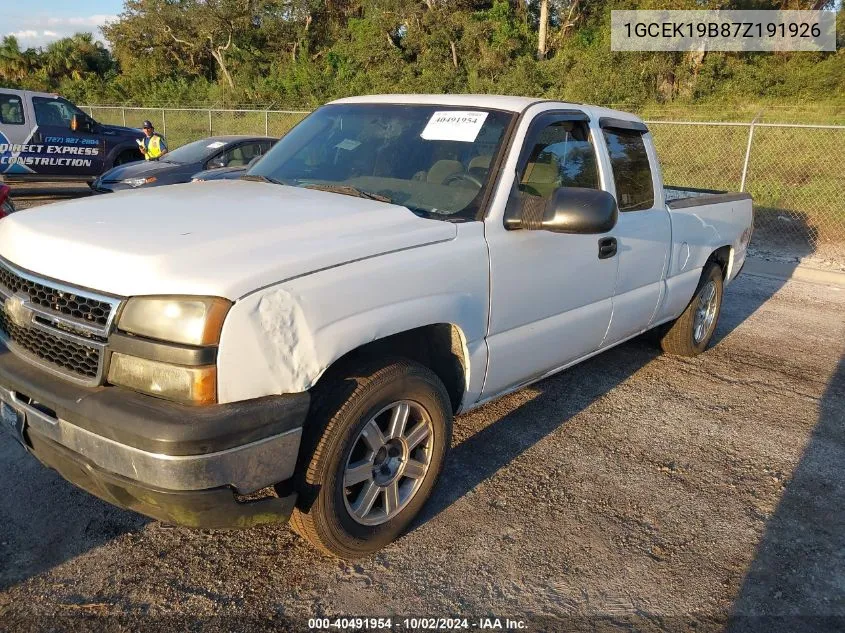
(11, 110)
(631, 169)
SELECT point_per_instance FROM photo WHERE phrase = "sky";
(39, 22)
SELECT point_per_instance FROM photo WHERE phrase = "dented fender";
(281, 339)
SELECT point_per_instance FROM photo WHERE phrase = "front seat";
(238, 159)
(442, 170)
(480, 165)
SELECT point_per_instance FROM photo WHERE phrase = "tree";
(15, 64)
(542, 32)
(76, 57)
(191, 36)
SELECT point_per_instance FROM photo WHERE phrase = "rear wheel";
(691, 332)
(372, 452)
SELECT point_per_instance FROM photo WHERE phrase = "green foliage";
(299, 53)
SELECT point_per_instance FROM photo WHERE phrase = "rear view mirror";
(569, 210)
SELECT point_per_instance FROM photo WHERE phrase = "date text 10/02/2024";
(414, 623)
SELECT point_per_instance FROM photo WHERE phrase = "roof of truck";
(17, 91)
(498, 102)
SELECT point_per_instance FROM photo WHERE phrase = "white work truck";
(294, 345)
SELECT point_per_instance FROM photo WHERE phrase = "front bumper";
(194, 466)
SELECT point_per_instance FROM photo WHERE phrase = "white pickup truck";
(294, 345)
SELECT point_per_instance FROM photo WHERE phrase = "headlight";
(187, 320)
(139, 182)
(191, 385)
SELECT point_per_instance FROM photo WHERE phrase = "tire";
(682, 337)
(332, 512)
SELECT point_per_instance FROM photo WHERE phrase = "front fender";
(281, 339)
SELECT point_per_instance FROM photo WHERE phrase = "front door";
(64, 151)
(551, 293)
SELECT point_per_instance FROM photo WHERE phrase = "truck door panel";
(62, 150)
(15, 128)
(551, 294)
(643, 233)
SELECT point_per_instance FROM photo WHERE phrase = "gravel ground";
(633, 492)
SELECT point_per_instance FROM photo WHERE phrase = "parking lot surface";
(634, 490)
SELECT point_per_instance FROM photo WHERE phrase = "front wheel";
(372, 452)
(691, 332)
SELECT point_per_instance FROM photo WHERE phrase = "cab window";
(11, 110)
(56, 112)
(631, 169)
(561, 156)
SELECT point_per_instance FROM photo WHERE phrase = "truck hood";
(224, 238)
(119, 130)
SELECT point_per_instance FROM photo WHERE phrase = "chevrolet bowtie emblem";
(17, 312)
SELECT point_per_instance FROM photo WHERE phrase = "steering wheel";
(469, 177)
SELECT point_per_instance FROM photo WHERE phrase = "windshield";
(434, 160)
(195, 152)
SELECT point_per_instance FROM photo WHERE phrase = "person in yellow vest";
(152, 146)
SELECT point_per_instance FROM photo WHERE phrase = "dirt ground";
(633, 492)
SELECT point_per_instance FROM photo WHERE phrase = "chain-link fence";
(796, 173)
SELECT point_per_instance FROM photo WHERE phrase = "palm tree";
(76, 56)
(15, 64)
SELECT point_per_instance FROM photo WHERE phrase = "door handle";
(607, 247)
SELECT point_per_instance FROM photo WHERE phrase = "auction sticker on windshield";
(454, 125)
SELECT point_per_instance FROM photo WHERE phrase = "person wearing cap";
(153, 145)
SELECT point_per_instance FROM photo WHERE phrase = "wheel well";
(721, 256)
(127, 155)
(440, 347)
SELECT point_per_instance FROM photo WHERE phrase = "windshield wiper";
(348, 190)
(260, 178)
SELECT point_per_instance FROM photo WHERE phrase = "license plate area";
(12, 420)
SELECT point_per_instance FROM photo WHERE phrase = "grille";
(63, 330)
(61, 353)
(78, 307)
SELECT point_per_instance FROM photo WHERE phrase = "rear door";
(643, 232)
(15, 129)
(65, 151)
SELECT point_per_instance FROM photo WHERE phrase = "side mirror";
(82, 124)
(571, 210)
(216, 163)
